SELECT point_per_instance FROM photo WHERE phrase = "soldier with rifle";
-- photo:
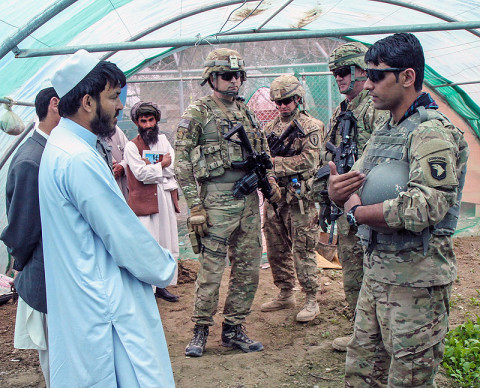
(212, 172)
(347, 133)
(294, 141)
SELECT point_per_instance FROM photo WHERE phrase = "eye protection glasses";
(341, 72)
(285, 101)
(227, 76)
(376, 75)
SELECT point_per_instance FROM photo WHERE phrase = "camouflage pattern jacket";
(431, 193)
(303, 164)
(202, 155)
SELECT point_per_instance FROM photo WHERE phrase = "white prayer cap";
(72, 71)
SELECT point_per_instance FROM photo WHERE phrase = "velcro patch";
(184, 123)
(438, 168)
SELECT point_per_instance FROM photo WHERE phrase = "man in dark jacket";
(23, 234)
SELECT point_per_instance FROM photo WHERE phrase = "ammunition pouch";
(195, 240)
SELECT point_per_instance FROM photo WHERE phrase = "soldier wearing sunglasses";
(292, 237)
(347, 65)
(409, 264)
(223, 224)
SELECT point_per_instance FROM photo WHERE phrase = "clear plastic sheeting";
(451, 56)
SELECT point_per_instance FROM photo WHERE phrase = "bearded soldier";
(224, 221)
(347, 65)
(291, 238)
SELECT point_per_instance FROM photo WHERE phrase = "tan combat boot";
(341, 343)
(310, 310)
(284, 300)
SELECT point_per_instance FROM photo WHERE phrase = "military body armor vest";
(212, 158)
(387, 144)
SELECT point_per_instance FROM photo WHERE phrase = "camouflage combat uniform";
(350, 252)
(402, 312)
(203, 168)
(298, 214)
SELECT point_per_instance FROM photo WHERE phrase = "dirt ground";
(295, 355)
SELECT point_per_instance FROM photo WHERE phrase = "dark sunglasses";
(230, 74)
(341, 72)
(285, 101)
(376, 75)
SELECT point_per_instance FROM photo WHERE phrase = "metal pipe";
(455, 84)
(274, 14)
(32, 25)
(13, 102)
(428, 11)
(15, 144)
(176, 19)
(146, 80)
(336, 32)
(247, 68)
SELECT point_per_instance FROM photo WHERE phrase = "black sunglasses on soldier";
(227, 76)
(376, 75)
(285, 101)
(341, 72)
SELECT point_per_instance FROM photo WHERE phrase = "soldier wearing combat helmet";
(292, 237)
(347, 64)
(223, 223)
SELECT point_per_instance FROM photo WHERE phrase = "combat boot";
(234, 336)
(284, 300)
(197, 345)
(310, 310)
(341, 343)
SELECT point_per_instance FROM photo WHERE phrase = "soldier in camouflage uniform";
(226, 224)
(347, 64)
(409, 264)
(292, 237)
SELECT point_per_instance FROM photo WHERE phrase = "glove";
(276, 194)
(198, 220)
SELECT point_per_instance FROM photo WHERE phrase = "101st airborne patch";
(438, 168)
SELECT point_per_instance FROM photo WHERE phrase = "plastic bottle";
(296, 185)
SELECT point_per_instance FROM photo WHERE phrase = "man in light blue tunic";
(100, 261)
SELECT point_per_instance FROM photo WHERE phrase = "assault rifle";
(255, 164)
(344, 156)
(277, 144)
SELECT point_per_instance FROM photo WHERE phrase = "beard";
(149, 136)
(102, 124)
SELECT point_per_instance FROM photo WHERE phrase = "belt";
(210, 186)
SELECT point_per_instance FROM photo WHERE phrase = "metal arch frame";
(176, 18)
(428, 11)
(10, 44)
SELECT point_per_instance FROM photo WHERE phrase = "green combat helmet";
(349, 54)
(385, 181)
(222, 60)
(286, 86)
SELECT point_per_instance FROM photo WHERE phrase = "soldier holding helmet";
(292, 237)
(224, 224)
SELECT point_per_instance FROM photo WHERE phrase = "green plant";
(462, 354)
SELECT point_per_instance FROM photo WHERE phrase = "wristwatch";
(351, 216)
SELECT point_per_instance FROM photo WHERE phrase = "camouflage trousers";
(303, 232)
(350, 254)
(398, 338)
(234, 228)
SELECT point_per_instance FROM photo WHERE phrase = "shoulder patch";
(438, 168)
(314, 139)
(184, 123)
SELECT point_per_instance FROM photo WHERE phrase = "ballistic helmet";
(286, 86)
(222, 60)
(385, 181)
(348, 54)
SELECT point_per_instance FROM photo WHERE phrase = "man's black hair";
(93, 84)
(399, 50)
(42, 101)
